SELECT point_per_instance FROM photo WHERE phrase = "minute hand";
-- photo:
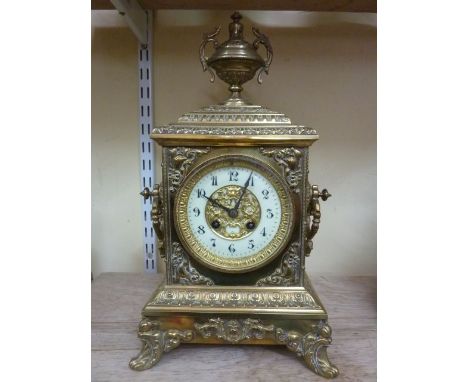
(243, 191)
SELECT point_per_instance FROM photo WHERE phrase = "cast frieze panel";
(235, 130)
(234, 299)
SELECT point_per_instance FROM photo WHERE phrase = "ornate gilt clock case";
(235, 217)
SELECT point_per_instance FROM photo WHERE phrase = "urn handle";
(313, 210)
(263, 39)
(208, 37)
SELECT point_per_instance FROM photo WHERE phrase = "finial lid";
(236, 61)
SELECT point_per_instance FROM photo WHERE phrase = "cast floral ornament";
(156, 342)
(183, 271)
(233, 331)
(288, 272)
(289, 159)
(182, 158)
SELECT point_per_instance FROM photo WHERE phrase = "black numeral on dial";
(196, 211)
(201, 229)
(213, 242)
(265, 194)
(231, 248)
(201, 193)
(269, 213)
(263, 231)
(214, 180)
(251, 244)
(233, 176)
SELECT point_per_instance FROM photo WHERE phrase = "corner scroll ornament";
(183, 271)
(182, 159)
(234, 331)
(288, 272)
(289, 159)
(312, 346)
(314, 214)
(156, 342)
(157, 215)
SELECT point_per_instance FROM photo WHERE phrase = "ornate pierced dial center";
(237, 223)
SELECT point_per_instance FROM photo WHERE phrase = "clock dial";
(234, 215)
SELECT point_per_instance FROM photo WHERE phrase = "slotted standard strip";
(147, 156)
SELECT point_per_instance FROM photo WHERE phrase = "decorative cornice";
(234, 115)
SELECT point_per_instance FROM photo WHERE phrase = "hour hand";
(215, 203)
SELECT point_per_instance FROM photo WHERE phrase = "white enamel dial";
(222, 235)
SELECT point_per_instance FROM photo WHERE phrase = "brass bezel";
(191, 244)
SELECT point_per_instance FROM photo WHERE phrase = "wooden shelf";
(369, 6)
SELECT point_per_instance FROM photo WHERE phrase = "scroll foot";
(312, 347)
(156, 342)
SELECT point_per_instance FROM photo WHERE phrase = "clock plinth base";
(249, 315)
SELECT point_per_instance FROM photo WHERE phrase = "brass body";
(272, 302)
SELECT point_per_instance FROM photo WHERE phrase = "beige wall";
(323, 74)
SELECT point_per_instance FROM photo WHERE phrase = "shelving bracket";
(136, 17)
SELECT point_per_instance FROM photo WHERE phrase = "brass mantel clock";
(235, 217)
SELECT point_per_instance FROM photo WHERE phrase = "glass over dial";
(234, 215)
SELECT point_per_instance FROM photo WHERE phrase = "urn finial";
(236, 61)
